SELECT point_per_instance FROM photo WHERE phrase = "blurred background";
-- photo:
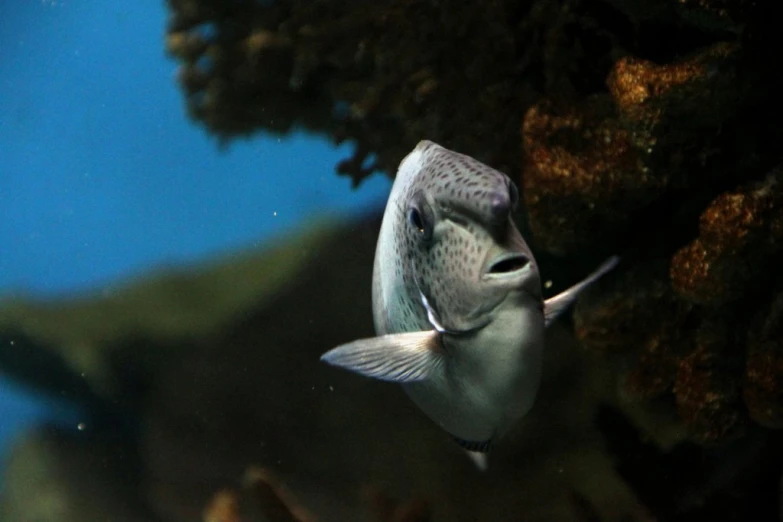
(103, 178)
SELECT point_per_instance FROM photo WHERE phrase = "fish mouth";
(507, 266)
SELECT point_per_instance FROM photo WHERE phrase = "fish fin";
(554, 306)
(402, 357)
(479, 459)
(477, 451)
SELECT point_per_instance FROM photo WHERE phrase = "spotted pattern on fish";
(479, 199)
(457, 298)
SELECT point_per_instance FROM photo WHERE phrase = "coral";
(610, 318)
(380, 77)
(687, 327)
(637, 312)
(594, 168)
(763, 383)
(707, 385)
(663, 104)
(582, 173)
(672, 138)
(740, 239)
(763, 390)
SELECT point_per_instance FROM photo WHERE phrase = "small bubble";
(274, 214)
(81, 426)
(548, 284)
(331, 388)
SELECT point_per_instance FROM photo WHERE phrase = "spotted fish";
(457, 299)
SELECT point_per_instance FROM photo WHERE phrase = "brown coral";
(375, 76)
(637, 310)
(707, 388)
(763, 383)
(582, 173)
(763, 390)
(610, 318)
(740, 237)
(593, 168)
(671, 102)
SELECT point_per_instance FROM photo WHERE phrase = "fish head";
(461, 252)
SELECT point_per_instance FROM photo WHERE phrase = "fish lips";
(511, 269)
(511, 272)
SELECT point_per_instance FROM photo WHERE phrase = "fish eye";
(513, 193)
(414, 218)
(421, 218)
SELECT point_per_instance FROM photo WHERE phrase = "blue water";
(102, 176)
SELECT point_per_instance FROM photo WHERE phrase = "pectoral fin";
(554, 306)
(403, 357)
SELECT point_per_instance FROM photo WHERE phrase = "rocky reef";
(707, 329)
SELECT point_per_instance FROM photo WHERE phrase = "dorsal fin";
(554, 306)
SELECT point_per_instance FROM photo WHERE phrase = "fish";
(457, 299)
